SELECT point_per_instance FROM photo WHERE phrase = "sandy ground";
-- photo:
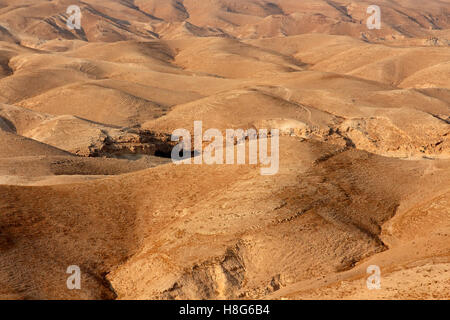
(86, 179)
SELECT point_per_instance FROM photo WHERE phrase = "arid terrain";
(86, 176)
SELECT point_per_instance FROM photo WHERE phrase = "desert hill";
(24, 21)
(160, 243)
(86, 118)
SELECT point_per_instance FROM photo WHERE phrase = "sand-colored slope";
(119, 108)
(65, 169)
(416, 265)
(314, 105)
(47, 20)
(364, 117)
(19, 120)
(144, 20)
(344, 55)
(17, 146)
(232, 59)
(288, 17)
(80, 136)
(172, 250)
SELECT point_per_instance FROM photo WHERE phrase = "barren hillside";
(86, 118)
